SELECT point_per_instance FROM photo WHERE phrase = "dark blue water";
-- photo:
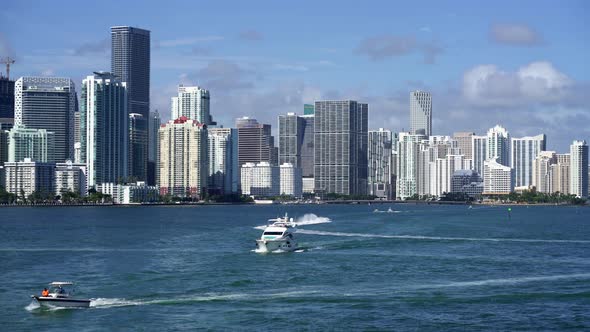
(187, 268)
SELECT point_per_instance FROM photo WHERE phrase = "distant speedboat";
(59, 297)
(278, 236)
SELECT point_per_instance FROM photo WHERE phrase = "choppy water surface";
(186, 268)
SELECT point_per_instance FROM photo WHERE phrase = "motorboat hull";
(57, 302)
(276, 245)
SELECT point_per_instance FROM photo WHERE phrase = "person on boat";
(45, 292)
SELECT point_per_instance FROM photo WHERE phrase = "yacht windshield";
(273, 233)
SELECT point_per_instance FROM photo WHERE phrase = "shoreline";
(360, 202)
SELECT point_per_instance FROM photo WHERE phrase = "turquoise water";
(186, 268)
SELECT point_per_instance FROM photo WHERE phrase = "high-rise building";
(255, 143)
(560, 174)
(340, 142)
(542, 171)
(153, 142)
(76, 128)
(579, 169)
(34, 144)
(478, 152)
(465, 143)
(6, 98)
(308, 109)
(27, 176)
(130, 62)
(138, 153)
(462, 179)
(48, 103)
(497, 178)
(261, 179)
(379, 163)
(498, 145)
(420, 113)
(70, 177)
(223, 160)
(523, 152)
(296, 141)
(184, 166)
(408, 149)
(104, 128)
(291, 180)
(192, 102)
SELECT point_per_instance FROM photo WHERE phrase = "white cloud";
(537, 82)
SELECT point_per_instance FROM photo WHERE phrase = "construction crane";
(7, 61)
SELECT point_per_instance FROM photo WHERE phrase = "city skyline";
(515, 74)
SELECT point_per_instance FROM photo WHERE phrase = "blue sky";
(520, 64)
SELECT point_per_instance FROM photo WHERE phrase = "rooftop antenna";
(7, 61)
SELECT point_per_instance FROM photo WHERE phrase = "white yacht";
(57, 296)
(278, 236)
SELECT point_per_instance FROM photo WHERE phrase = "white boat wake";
(436, 238)
(306, 219)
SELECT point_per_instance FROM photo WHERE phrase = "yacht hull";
(53, 302)
(276, 245)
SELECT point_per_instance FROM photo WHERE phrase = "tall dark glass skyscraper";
(6, 98)
(340, 142)
(296, 141)
(130, 62)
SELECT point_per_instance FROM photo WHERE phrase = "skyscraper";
(523, 152)
(130, 62)
(560, 174)
(465, 143)
(579, 169)
(542, 171)
(498, 145)
(223, 160)
(104, 128)
(420, 113)
(255, 143)
(48, 103)
(296, 141)
(6, 98)
(497, 179)
(379, 163)
(192, 102)
(34, 144)
(183, 155)
(340, 142)
(153, 142)
(478, 152)
(138, 152)
(408, 149)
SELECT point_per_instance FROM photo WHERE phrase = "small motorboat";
(58, 296)
(278, 236)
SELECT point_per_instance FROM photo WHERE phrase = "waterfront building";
(340, 143)
(130, 193)
(5, 126)
(579, 169)
(462, 180)
(48, 103)
(192, 102)
(478, 152)
(184, 165)
(420, 113)
(154, 123)
(560, 174)
(76, 128)
(291, 180)
(497, 178)
(379, 163)
(261, 179)
(6, 98)
(138, 145)
(408, 149)
(70, 177)
(255, 142)
(28, 176)
(465, 143)
(104, 128)
(35, 144)
(130, 63)
(223, 160)
(523, 152)
(498, 145)
(542, 171)
(308, 185)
